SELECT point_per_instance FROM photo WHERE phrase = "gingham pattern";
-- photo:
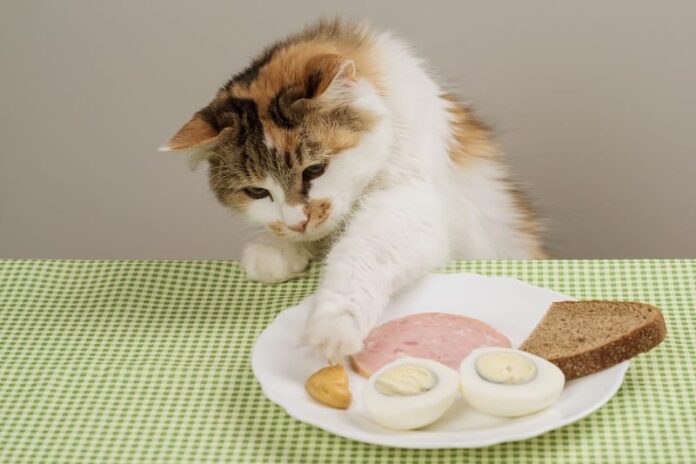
(143, 361)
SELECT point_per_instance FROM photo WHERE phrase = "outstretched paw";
(334, 328)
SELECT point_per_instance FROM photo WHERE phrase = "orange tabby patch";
(336, 139)
(318, 212)
(277, 228)
(470, 137)
(280, 139)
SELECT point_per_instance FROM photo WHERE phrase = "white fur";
(423, 210)
(272, 261)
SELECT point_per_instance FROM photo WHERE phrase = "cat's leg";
(270, 260)
(396, 236)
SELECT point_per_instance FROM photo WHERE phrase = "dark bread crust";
(643, 338)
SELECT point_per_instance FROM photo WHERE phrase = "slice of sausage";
(446, 338)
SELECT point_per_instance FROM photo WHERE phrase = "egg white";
(511, 400)
(412, 411)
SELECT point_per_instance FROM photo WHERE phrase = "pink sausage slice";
(446, 338)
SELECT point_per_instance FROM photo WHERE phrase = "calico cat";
(340, 144)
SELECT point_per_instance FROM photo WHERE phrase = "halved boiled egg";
(509, 383)
(409, 393)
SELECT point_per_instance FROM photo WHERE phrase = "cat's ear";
(195, 136)
(329, 76)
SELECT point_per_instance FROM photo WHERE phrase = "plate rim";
(294, 413)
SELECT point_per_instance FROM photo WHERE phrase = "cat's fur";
(411, 178)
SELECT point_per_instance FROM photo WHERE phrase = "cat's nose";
(300, 226)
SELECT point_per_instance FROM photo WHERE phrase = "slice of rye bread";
(584, 337)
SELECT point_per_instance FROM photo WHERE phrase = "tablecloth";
(149, 361)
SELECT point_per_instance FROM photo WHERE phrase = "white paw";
(334, 327)
(268, 263)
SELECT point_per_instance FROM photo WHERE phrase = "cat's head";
(293, 140)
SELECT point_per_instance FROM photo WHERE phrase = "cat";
(340, 144)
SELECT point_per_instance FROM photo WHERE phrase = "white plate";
(281, 365)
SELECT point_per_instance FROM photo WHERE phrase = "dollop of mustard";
(329, 386)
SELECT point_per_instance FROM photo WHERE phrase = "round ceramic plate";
(281, 365)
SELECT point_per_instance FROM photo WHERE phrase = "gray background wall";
(594, 101)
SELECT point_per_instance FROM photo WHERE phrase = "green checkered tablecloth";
(149, 361)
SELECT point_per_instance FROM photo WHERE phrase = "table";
(149, 361)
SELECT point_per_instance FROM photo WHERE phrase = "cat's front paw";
(270, 263)
(334, 328)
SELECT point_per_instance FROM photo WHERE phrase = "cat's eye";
(314, 171)
(256, 192)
